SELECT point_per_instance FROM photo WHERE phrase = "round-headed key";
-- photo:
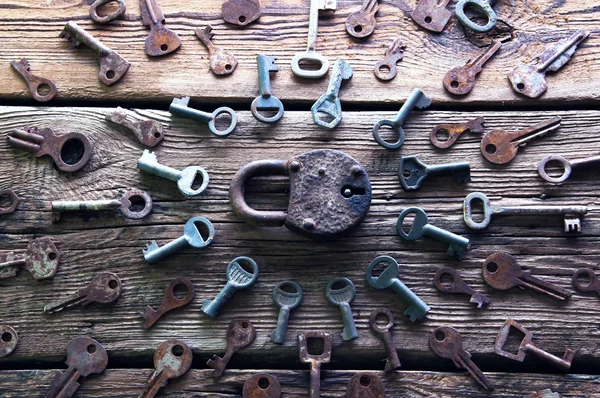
(393, 362)
(341, 292)
(266, 102)
(458, 285)
(589, 282)
(261, 385)
(287, 296)
(172, 359)
(461, 80)
(104, 288)
(170, 301)
(365, 385)
(8, 340)
(127, 204)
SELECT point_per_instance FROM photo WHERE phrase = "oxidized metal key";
(172, 359)
(484, 7)
(241, 12)
(104, 288)
(412, 172)
(160, 41)
(286, 300)
(453, 131)
(461, 80)
(37, 85)
(148, 132)
(261, 385)
(11, 199)
(386, 68)
(221, 62)
(342, 297)
(108, 17)
(362, 23)
(85, 356)
(392, 362)
(527, 347)
(112, 66)
(329, 103)
(170, 301)
(266, 101)
(125, 204)
(432, 14)
(568, 166)
(179, 107)
(315, 361)
(8, 340)
(240, 334)
(41, 260)
(591, 283)
(365, 385)
(446, 342)
(458, 285)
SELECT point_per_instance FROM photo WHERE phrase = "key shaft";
(286, 301)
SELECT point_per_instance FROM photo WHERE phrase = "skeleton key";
(241, 12)
(412, 172)
(261, 385)
(41, 260)
(125, 204)
(108, 17)
(592, 284)
(365, 385)
(454, 131)
(160, 41)
(85, 356)
(104, 288)
(8, 341)
(458, 285)
(500, 146)
(37, 85)
(342, 298)
(567, 165)
(461, 80)
(221, 62)
(240, 334)
(393, 362)
(179, 107)
(432, 14)
(362, 23)
(329, 103)
(484, 7)
(446, 342)
(112, 66)
(315, 361)
(148, 132)
(170, 301)
(265, 101)
(286, 301)
(12, 201)
(501, 271)
(386, 68)
(172, 359)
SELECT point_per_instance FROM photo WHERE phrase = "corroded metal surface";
(148, 132)
(461, 80)
(458, 285)
(169, 302)
(365, 385)
(315, 361)
(580, 284)
(386, 68)
(261, 385)
(221, 62)
(432, 14)
(241, 12)
(392, 362)
(172, 359)
(361, 23)
(104, 288)
(35, 83)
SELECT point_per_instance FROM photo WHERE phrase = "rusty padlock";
(330, 194)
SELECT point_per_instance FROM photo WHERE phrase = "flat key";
(261, 385)
(365, 385)
(179, 107)
(567, 165)
(341, 292)
(417, 309)
(107, 17)
(362, 23)
(315, 361)
(12, 200)
(240, 334)
(453, 131)
(447, 343)
(172, 359)
(160, 41)
(501, 271)
(37, 85)
(432, 14)
(241, 12)
(458, 285)
(148, 132)
(287, 296)
(266, 101)
(221, 62)
(461, 80)
(103, 289)
(484, 7)
(591, 283)
(392, 362)
(41, 260)
(329, 103)
(170, 301)
(386, 68)
(412, 172)
(125, 204)
(458, 245)
(9, 340)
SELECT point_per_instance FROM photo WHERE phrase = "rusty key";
(221, 62)
(148, 132)
(160, 41)
(461, 80)
(432, 14)
(591, 283)
(170, 301)
(8, 340)
(315, 361)
(172, 359)
(393, 362)
(240, 333)
(261, 385)
(457, 285)
(37, 85)
(453, 131)
(362, 23)
(104, 288)
(365, 385)
(11, 201)
(41, 260)
(241, 12)
(386, 68)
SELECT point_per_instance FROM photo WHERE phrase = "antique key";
(484, 7)
(342, 297)
(386, 68)
(125, 204)
(179, 107)
(454, 131)
(567, 165)
(392, 362)
(412, 172)
(11, 199)
(329, 103)
(417, 309)
(365, 385)
(362, 23)
(37, 85)
(315, 361)
(8, 341)
(104, 288)
(461, 80)
(530, 80)
(185, 178)
(446, 342)
(458, 245)
(261, 385)
(112, 66)
(240, 333)
(191, 237)
(170, 301)
(501, 271)
(266, 101)
(221, 62)
(172, 359)
(286, 301)
(458, 285)
(432, 14)
(237, 279)
(148, 132)
(108, 17)
(161, 40)
(580, 284)
(241, 12)
(85, 356)
(41, 260)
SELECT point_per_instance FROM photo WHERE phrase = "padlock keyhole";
(349, 191)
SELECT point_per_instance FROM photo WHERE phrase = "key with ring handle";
(458, 285)
(148, 132)
(11, 199)
(170, 301)
(461, 80)
(484, 7)
(365, 385)
(179, 107)
(241, 12)
(392, 362)
(412, 172)
(125, 204)
(172, 359)
(591, 283)
(240, 333)
(329, 103)
(221, 62)
(386, 68)
(568, 165)
(286, 300)
(41, 260)
(104, 288)
(261, 385)
(36, 85)
(432, 14)
(342, 297)
(362, 23)
(107, 18)
(266, 101)
(160, 40)
(8, 340)
(315, 361)
(453, 131)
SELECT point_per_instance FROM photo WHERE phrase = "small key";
(11, 199)
(241, 12)
(179, 107)
(191, 237)
(286, 301)
(412, 172)
(125, 204)
(342, 297)
(237, 279)
(447, 343)
(458, 245)
(458, 285)
(365, 385)
(104, 288)
(501, 271)
(184, 179)
(170, 301)
(37, 85)
(160, 41)
(112, 66)
(266, 101)
(568, 166)
(261, 385)
(362, 23)
(221, 62)
(432, 14)
(172, 359)
(315, 361)
(70, 151)
(590, 284)
(41, 260)
(417, 309)
(148, 132)
(85, 356)
(107, 17)
(392, 362)
(329, 103)
(530, 80)
(527, 347)
(571, 214)
(386, 68)
(461, 80)
(453, 131)
(416, 99)
(240, 333)
(9, 340)
(484, 7)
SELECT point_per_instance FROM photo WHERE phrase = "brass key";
(160, 41)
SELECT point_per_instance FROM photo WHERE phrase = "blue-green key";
(342, 297)
(287, 295)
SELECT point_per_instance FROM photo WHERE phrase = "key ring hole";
(6, 201)
(409, 219)
(138, 203)
(379, 269)
(315, 346)
(52, 256)
(7, 337)
(454, 84)
(203, 230)
(520, 86)
(263, 383)
(383, 321)
(358, 29)
(384, 69)
(490, 149)
(108, 8)
(198, 180)
(113, 284)
(110, 74)
(91, 348)
(223, 119)
(491, 267)
(164, 47)
(180, 291)
(72, 151)
(177, 350)
(442, 135)
(157, 135)
(477, 14)
(388, 134)
(428, 19)
(310, 64)
(555, 169)
(325, 117)
(365, 381)
(43, 89)
(242, 19)
(446, 279)
(288, 288)
(584, 279)
(477, 210)
(440, 336)
(245, 325)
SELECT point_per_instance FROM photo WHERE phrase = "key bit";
(9, 340)
(386, 68)
(241, 12)
(412, 172)
(160, 41)
(170, 301)
(261, 385)
(221, 62)
(240, 334)
(37, 85)
(12, 201)
(365, 385)
(432, 14)
(392, 362)
(41, 260)
(148, 132)
(458, 285)
(108, 17)
(341, 297)
(103, 289)
(172, 359)
(315, 361)
(590, 282)
(329, 103)
(461, 80)
(125, 204)
(453, 131)
(362, 23)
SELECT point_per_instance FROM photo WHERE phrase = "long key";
(125, 204)
(103, 289)
(432, 14)
(362, 23)
(592, 284)
(412, 172)
(148, 132)
(484, 8)
(85, 356)
(568, 166)
(261, 385)
(501, 271)
(417, 309)
(36, 84)
(112, 66)
(571, 214)
(172, 359)
(447, 343)
(161, 40)
(329, 103)
(501, 146)
(365, 385)
(266, 101)
(41, 260)
(179, 107)
(9, 340)
(191, 237)
(287, 296)
(458, 285)
(315, 361)
(237, 279)
(240, 333)
(461, 80)
(530, 80)
(221, 62)
(169, 302)
(458, 245)
(386, 68)
(241, 12)
(392, 362)
(342, 297)
(12, 201)
(453, 131)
